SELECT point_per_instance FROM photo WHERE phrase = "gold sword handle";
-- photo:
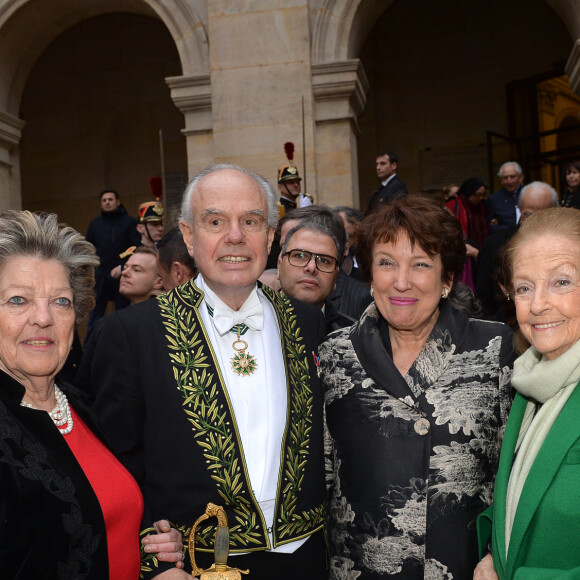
(222, 537)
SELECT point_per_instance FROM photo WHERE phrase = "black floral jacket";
(411, 460)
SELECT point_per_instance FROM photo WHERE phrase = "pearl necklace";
(61, 414)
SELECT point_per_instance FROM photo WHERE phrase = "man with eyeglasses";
(308, 264)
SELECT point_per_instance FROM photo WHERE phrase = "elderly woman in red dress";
(68, 508)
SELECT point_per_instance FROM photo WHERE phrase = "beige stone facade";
(232, 80)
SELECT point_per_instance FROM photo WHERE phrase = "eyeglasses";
(301, 258)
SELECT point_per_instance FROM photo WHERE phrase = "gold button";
(422, 426)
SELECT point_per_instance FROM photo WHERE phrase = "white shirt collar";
(388, 179)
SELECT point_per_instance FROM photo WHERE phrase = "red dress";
(119, 496)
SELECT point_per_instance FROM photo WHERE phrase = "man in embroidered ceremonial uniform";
(210, 393)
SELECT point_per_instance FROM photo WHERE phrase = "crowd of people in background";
(379, 394)
(488, 221)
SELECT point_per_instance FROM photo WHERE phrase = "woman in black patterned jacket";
(417, 396)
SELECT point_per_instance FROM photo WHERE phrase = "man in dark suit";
(210, 392)
(350, 296)
(391, 185)
(111, 233)
(501, 206)
(534, 197)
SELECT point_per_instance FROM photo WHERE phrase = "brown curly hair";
(434, 229)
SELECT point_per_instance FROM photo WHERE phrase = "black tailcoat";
(163, 404)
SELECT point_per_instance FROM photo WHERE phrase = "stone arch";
(27, 27)
(340, 87)
(340, 27)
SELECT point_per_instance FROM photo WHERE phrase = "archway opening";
(438, 74)
(94, 106)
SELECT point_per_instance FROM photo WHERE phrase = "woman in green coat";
(532, 531)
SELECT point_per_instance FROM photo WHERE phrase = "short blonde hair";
(40, 235)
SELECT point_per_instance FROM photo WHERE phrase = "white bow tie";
(225, 319)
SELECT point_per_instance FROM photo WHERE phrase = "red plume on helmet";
(288, 171)
(156, 186)
(289, 150)
(152, 211)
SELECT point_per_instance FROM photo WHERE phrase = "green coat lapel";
(501, 482)
(289, 522)
(562, 436)
(208, 409)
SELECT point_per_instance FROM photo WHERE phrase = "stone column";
(192, 96)
(260, 75)
(10, 134)
(340, 90)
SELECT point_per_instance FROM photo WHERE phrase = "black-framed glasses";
(301, 258)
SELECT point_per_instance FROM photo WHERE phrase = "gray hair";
(539, 184)
(186, 206)
(23, 233)
(516, 165)
(330, 225)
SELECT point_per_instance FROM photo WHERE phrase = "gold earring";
(445, 293)
(372, 291)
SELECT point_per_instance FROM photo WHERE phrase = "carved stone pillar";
(340, 90)
(192, 96)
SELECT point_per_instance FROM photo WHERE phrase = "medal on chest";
(243, 363)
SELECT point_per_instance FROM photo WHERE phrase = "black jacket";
(350, 296)
(411, 460)
(387, 193)
(51, 523)
(335, 319)
(112, 233)
(164, 407)
(571, 198)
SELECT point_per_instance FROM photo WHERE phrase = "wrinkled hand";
(485, 569)
(167, 542)
(116, 272)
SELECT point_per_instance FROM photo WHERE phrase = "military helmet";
(152, 211)
(288, 171)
